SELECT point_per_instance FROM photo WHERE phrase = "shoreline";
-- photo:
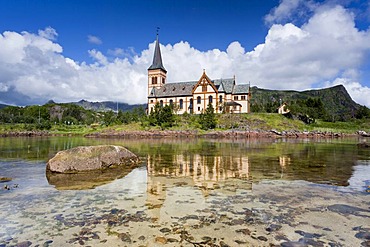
(191, 134)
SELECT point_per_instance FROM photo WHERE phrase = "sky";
(100, 50)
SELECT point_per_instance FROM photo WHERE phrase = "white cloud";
(48, 33)
(94, 40)
(290, 10)
(322, 51)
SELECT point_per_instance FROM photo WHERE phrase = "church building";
(194, 96)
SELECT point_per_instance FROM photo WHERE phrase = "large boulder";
(90, 158)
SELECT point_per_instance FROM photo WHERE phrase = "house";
(194, 96)
(283, 109)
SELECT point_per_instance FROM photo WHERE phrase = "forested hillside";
(330, 104)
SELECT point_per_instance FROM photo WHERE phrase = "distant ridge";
(3, 106)
(336, 100)
(107, 105)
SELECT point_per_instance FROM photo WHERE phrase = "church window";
(151, 101)
(210, 99)
(161, 103)
(181, 104)
(243, 97)
(220, 98)
(163, 80)
(171, 102)
(154, 80)
(199, 100)
(236, 98)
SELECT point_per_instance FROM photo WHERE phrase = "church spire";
(157, 59)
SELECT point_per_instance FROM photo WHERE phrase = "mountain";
(107, 105)
(335, 100)
(3, 106)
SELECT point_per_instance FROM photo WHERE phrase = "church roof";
(177, 89)
(157, 58)
(225, 85)
(241, 89)
(174, 89)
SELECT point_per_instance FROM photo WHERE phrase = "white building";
(194, 96)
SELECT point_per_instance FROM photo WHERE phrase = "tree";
(108, 118)
(207, 119)
(162, 116)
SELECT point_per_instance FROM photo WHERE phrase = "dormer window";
(174, 88)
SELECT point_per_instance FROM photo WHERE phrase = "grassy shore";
(226, 122)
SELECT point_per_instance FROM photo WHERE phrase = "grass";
(253, 121)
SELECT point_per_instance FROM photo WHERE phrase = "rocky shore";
(216, 134)
(194, 133)
(25, 133)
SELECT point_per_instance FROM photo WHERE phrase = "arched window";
(171, 102)
(181, 104)
(210, 99)
(199, 100)
(161, 103)
(220, 98)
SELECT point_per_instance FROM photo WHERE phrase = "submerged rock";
(89, 158)
(5, 179)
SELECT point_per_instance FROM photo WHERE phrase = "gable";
(204, 85)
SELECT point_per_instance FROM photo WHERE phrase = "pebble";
(363, 235)
(24, 244)
(262, 238)
(125, 237)
(273, 227)
(346, 209)
(161, 240)
(293, 244)
(172, 240)
(245, 231)
(223, 244)
(46, 243)
(165, 230)
(366, 243)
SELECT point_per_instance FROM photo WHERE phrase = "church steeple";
(156, 72)
(157, 59)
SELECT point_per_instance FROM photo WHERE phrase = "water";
(190, 192)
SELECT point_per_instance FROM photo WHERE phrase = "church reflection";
(205, 173)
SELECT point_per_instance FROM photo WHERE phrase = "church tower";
(156, 72)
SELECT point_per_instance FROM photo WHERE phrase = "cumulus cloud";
(290, 10)
(48, 33)
(326, 50)
(94, 40)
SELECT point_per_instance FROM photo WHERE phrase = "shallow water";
(190, 192)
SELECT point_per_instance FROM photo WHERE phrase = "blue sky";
(99, 50)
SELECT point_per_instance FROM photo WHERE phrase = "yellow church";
(194, 96)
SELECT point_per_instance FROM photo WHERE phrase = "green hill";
(107, 105)
(335, 103)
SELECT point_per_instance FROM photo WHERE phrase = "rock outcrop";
(90, 158)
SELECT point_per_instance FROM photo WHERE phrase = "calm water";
(190, 192)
